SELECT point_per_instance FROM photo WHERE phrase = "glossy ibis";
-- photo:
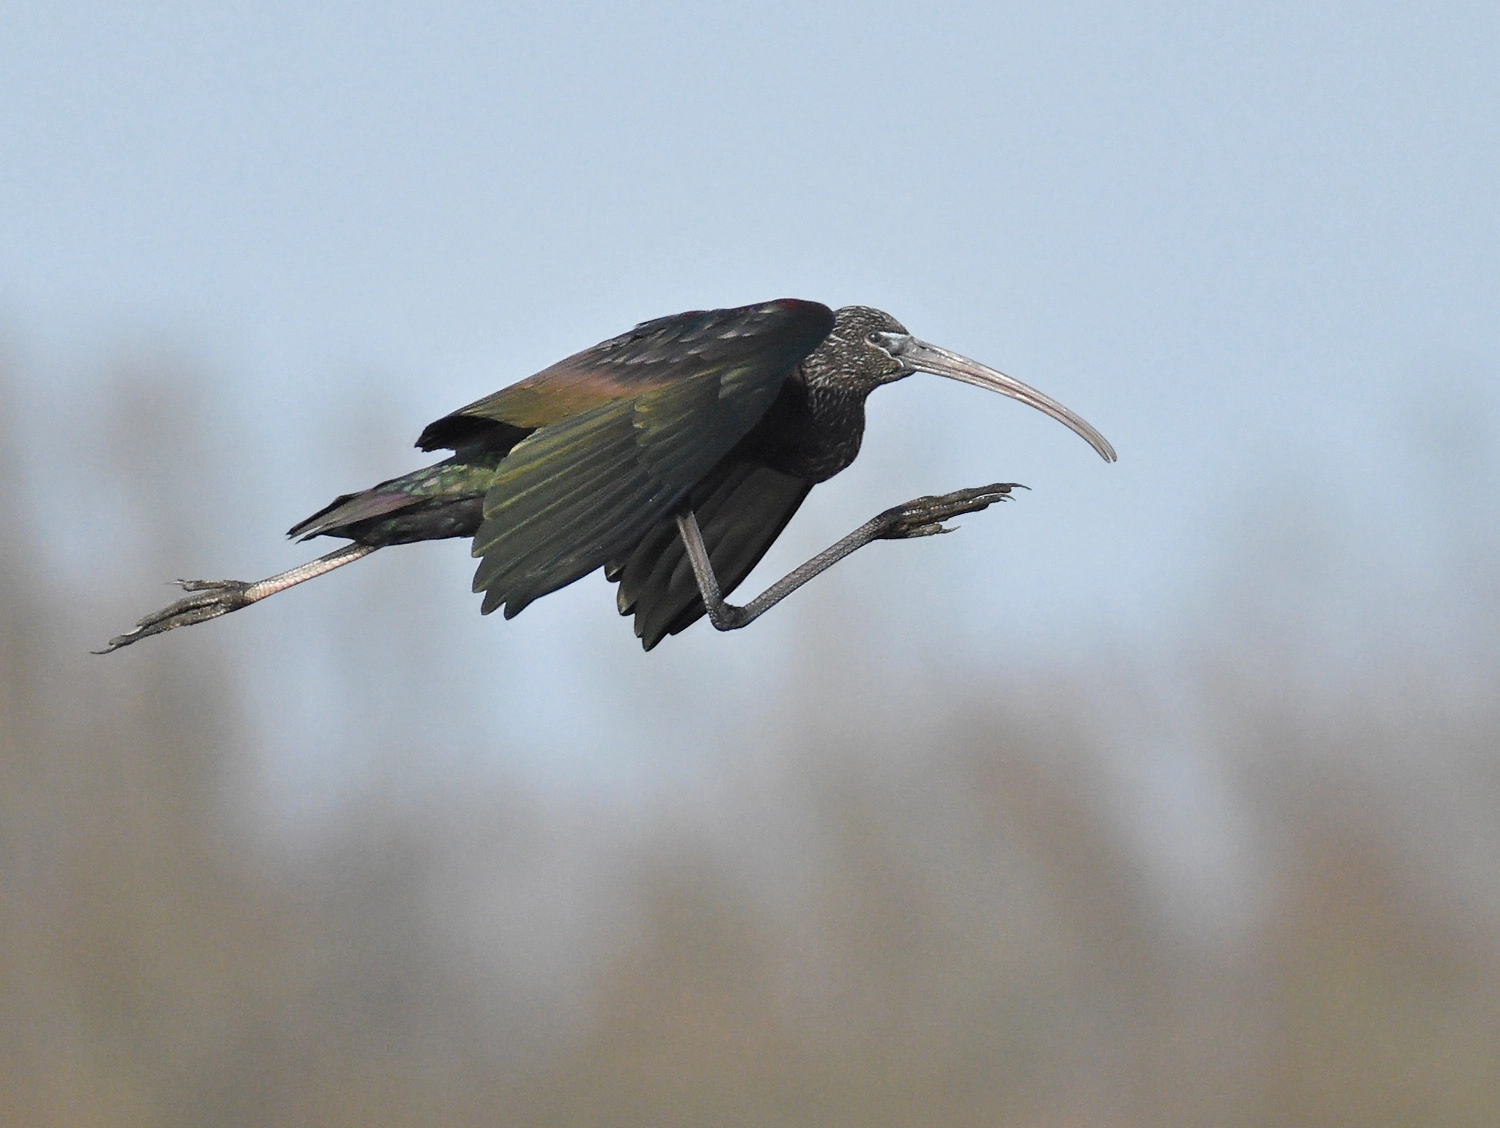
(670, 456)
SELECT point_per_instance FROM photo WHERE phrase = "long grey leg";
(212, 598)
(921, 517)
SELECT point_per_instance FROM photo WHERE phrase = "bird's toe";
(209, 600)
(924, 516)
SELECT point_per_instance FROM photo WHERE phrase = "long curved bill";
(919, 356)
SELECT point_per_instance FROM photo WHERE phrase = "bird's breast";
(809, 433)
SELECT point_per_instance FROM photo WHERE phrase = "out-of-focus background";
(1167, 794)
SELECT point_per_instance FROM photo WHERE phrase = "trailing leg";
(212, 598)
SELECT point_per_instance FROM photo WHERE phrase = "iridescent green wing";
(622, 433)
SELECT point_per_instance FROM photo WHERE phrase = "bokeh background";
(1167, 794)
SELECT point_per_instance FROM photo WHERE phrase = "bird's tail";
(445, 500)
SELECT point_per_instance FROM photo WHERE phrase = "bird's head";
(869, 347)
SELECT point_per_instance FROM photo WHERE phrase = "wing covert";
(770, 337)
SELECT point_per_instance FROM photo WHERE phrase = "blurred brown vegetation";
(978, 929)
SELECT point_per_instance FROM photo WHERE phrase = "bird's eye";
(873, 338)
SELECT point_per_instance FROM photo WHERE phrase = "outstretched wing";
(619, 435)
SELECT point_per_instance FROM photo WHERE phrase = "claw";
(924, 516)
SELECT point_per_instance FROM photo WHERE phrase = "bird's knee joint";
(727, 617)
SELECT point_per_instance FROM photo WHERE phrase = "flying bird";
(671, 456)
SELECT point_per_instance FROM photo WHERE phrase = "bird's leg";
(921, 517)
(212, 598)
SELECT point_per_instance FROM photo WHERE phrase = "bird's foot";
(924, 516)
(209, 600)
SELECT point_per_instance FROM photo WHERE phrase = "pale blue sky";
(1257, 245)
